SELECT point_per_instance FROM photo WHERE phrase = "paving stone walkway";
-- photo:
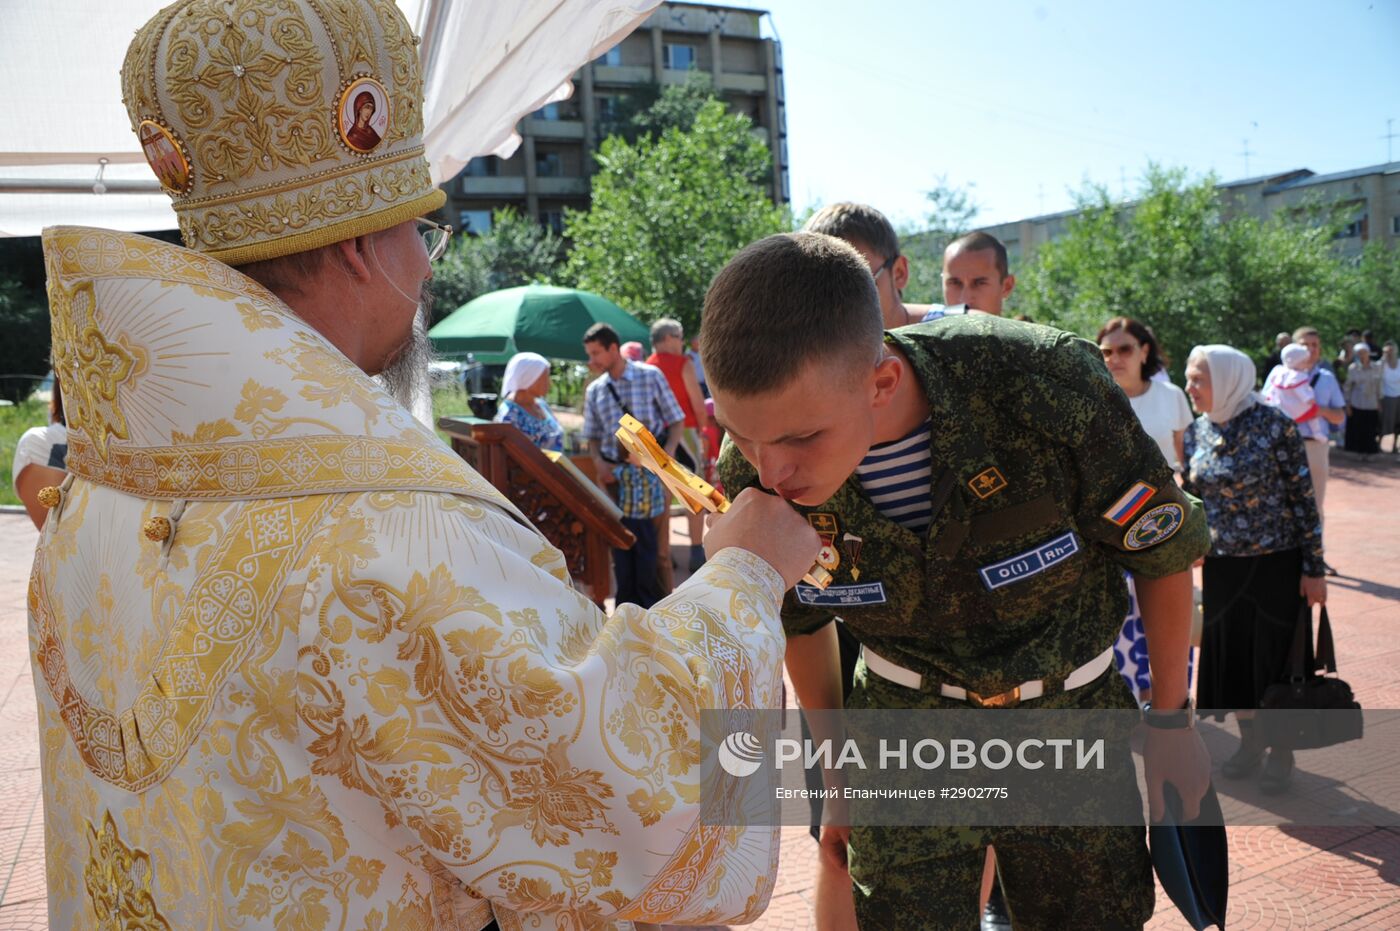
(1281, 878)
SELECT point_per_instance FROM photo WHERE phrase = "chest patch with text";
(841, 596)
(1032, 562)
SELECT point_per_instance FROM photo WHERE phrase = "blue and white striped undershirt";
(897, 477)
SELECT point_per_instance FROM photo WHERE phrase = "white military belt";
(1026, 691)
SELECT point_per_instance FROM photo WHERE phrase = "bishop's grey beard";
(406, 372)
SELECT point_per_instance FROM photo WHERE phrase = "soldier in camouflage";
(1043, 489)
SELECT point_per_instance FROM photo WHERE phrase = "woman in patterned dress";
(1245, 460)
(523, 389)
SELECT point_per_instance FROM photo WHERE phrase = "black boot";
(1247, 758)
(1278, 772)
(995, 916)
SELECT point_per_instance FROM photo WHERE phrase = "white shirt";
(36, 447)
(1390, 380)
(1163, 409)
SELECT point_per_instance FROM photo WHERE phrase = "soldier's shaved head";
(783, 303)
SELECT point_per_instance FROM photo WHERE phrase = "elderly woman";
(523, 389)
(1132, 356)
(1390, 395)
(1245, 460)
(1363, 395)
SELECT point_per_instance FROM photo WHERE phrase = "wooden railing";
(573, 513)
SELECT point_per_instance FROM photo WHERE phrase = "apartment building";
(1370, 195)
(550, 171)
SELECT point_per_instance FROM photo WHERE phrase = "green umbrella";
(535, 318)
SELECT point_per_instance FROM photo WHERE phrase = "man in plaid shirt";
(625, 387)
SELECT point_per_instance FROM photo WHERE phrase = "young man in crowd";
(869, 232)
(1331, 406)
(976, 273)
(976, 276)
(627, 387)
(926, 457)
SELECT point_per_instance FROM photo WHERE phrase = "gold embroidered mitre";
(279, 126)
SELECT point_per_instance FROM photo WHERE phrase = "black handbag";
(1310, 710)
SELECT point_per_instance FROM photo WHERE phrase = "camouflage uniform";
(1033, 446)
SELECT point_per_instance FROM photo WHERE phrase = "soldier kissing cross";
(692, 490)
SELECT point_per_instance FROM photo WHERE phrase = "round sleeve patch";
(1156, 526)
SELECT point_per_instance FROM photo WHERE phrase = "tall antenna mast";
(1247, 153)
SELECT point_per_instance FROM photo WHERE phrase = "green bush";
(24, 352)
(13, 422)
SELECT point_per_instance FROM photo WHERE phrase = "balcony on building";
(628, 62)
(560, 120)
(488, 176)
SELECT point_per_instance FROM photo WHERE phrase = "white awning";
(486, 63)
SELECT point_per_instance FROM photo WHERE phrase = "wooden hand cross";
(692, 490)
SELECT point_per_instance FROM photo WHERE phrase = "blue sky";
(1024, 101)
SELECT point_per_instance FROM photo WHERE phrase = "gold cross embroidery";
(90, 368)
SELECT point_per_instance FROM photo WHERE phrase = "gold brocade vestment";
(352, 688)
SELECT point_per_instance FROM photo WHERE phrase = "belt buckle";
(1008, 699)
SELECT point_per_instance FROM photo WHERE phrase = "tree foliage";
(1179, 261)
(1372, 296)
(951, 212)
(650, 110)
(24, 352)
(669, 210)
(515, 251)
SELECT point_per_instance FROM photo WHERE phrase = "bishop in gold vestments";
(298, 666)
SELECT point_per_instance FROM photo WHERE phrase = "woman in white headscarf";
(1246, 462)
(1363, 395)
(523, 405)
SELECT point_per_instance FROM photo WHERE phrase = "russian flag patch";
(1126, 507)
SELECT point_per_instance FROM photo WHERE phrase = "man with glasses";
(297, 664)
(870, 233)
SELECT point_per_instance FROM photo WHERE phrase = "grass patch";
(13, 422)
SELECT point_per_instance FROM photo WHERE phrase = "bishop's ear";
(353, 255)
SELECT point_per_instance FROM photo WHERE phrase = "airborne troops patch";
(987, 483)
(1156, 526)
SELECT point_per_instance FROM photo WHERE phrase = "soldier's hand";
(834, 908)
(768, 527)
(833, 840)
(1180, 757)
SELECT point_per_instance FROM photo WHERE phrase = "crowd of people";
(362, 677)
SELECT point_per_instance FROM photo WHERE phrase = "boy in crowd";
(927, 457)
